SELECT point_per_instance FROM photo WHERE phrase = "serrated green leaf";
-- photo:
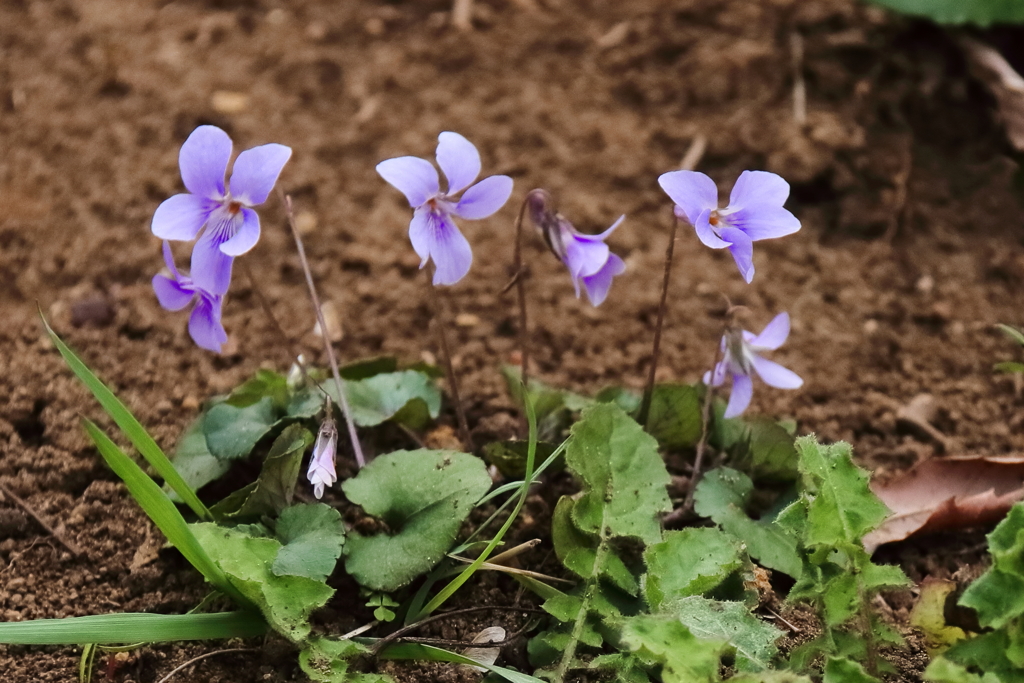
(942, 670)
(285, 601)
(675, 415)
(313, 536)
(980, 12)
(842, 670)
(998, 595)
(327, 660)
(721, 495)
(686, 658)
(578, 551)
(233, 432)
(273, 489)
(843, 508)
(423, 496)
(563, 607)
(194, 462)
(840, 599)
(622, 472)
(753, 639)
(688, 562)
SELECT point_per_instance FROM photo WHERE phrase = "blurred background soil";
(911, 248)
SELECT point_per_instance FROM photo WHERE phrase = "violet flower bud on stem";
(446, 356)
(321, 470)
(339, 384)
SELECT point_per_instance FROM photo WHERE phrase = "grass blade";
(135, 627)
(429, 653)
(162, 511)
(131, 427)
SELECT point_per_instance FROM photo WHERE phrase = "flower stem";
(357, 449)
(442, 341)
(520, 276)
(645, 405)
(702, 445)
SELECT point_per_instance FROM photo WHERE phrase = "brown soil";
(911, 248)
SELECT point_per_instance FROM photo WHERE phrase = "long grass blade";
(430, 653)
(162, 511)
(106, 629)
(131, 427)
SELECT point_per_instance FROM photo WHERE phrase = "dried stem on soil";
(71, 547)
(204, 656)
(442, 340)
(357, 449)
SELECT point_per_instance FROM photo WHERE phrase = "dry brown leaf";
(1005, 84)
(948, 493)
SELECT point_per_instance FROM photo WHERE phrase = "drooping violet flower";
(742, 362)
(754, 213)
(432, 231)
(232, 227)
(178, 291)
(321, 471)
(586, 256)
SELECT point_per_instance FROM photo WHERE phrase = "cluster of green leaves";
(979, 12)
(230, 428)
(650, 605)
(816, 539)
(271, 557)
(997, 597)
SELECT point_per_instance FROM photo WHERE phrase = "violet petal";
(171, 295)
(414, 177)
(582, 257)
(421, 228)
(758, 187)
(706, 234)
(775, 375)
(450, 251)
(773, 335)
(764, 221)
(246, 233)
(181, 217)
(601, 237)
(692, 191)
(742, 250)
(739, 397)
(211, 268)
(204, 324)
(256, 171)
(484, 198)
(459, 160)
(600, 282)
(203, 161)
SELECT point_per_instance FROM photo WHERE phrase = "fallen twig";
(72, 548)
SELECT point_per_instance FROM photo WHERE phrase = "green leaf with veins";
(998, 595)
(232, 432)
(408, 397)
(675, 414)
(841, 507)
(578, 551)
(752, 638)
(327, 660)
(313, 536)
(623, 475)
(842, 670)
(722, 495)
(689, 562)
(664, 639)
(266, 384)
(423, 496)
(773, 456)
(285, 601)
(194, 462)
(274, 488)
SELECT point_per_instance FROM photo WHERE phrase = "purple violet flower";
(742, 361)
(321, 471)
(586, 256)
(232, 227)
(432, 231)
(754, 213)
(178, 291)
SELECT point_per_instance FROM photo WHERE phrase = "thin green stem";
(581, 617)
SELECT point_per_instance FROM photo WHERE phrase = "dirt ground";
(911, 247)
